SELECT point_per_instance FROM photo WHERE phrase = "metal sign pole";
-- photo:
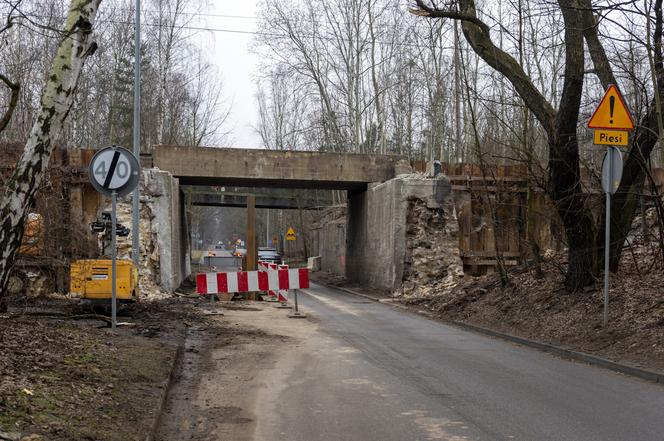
(114, 172)
(114, 200)
(607, 237)
(135, 249)
(612, 123)
(296, 312)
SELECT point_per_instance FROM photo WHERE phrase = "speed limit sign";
(114, 170)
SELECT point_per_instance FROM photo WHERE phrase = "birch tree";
(76, 45)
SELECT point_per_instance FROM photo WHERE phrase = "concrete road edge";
(644, 374)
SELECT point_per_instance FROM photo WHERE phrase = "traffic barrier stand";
(270, 296)
(213, 308)
(296, 313)
(282, 294)
(282, 298)
(273, 278)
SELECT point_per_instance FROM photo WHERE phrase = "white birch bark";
(57, 99)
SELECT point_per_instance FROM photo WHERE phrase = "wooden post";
(251, 238)
(303, 233)
(251, 233)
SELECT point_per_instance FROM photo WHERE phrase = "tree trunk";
(625, 201)
(57, 99)
(564, 186)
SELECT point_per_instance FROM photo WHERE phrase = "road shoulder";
(224, 370)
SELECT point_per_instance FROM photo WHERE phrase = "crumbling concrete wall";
(432, 245)
(161, 191)
(148, 255)
(389, 238)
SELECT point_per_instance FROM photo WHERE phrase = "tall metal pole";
(267, 229)
(114, 223)
(135, 251)
(607, 237)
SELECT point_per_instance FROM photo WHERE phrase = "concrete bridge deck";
(276, 168)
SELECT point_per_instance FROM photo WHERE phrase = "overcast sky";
(230, 52)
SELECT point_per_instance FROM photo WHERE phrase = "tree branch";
(13, 101)
(657, 39)
(477, 34)
(570, 101)
(597, 53)
(427, 11)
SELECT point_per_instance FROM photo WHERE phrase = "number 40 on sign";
(114, 169)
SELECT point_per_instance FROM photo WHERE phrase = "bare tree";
(281, 107)
(560, 125)
(207, 112)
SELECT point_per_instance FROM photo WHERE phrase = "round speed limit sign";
(114, 169)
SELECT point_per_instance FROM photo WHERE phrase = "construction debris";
(149, 252)
(432, 250)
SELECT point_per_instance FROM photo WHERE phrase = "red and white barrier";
(271, 269)
(282, 294)
(248, 281)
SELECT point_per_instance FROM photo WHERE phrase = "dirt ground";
(67, 379)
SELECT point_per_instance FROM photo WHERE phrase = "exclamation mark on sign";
(612, 103)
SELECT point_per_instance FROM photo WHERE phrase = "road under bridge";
(379, 190)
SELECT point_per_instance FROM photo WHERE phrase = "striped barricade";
(249, 281)
(272, 293)
(269, 267)
(282, 293)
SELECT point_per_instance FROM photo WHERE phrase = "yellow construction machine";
(90, 279)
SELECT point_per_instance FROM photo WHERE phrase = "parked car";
(267, 254)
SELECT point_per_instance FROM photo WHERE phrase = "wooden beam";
(251, 239)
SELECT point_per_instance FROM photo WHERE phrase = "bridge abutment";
(378, 246)
(169, 227)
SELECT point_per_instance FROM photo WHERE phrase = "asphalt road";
(370, 372)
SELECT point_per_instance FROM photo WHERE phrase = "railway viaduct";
(378, 188)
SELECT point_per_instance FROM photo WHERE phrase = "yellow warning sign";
(612, 112)
(290, 234)
(611, 137)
